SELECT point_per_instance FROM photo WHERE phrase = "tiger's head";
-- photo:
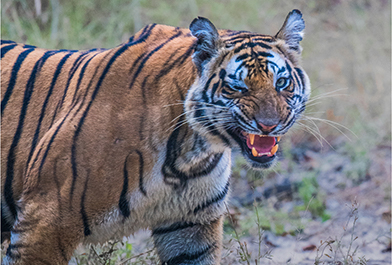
(250, 88)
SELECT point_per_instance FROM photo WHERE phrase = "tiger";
(101, 143)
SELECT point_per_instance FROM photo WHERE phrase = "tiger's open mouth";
(261, 145)
(259, 149)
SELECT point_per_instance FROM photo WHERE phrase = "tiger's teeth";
(274, 149)
(254, 152)
(252, 138)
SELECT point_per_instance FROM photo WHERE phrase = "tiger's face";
(250, 89)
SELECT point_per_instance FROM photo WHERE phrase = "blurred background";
(328, 200)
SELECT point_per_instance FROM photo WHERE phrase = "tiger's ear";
(207, 41)
(292, 30)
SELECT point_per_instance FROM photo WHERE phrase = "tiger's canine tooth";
(252, 138)
(254, 152)
(274, 149)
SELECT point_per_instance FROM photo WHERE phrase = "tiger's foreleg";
(189, 243)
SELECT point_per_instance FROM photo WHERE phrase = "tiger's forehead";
(235, 37)
(254, 58)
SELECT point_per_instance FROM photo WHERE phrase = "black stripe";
(123, 203)
(6, 226)
(302, 77)
(78, 61)
(6, 49)
(289, 69)
(251, 45)
(223, 57)
(80, 78)
(6, 42)
(264, 54)
(141, 168)
(135, 63)
(8, 190)
(295, 74)
(43, 109)
(242, 57)
(237, 38)
(15, 246)
(11, 83)
(141, 66)
(166, 68)
(198, 172)
(172, 150)
(213, 91)
(206, 87)
(142, 35)
(71, 74)
(86, 226)
(291, 122)
(28, 46)
(216, 199)
(239, 117)
(173, 228)
(222, 75)
(187, 257)
(146, 30)
(10, 251)
(281, 70)
(48, 146)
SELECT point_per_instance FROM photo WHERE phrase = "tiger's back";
(51, 129)
(98, 144)
(49, 90)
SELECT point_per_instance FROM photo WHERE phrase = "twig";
(136, 256)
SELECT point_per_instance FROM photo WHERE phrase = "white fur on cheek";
(232, 67)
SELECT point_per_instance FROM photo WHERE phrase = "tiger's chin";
(260, 151)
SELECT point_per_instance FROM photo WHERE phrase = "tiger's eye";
(282, 83)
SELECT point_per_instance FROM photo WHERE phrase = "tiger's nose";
(267, 128)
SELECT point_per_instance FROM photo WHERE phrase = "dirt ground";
(372, 228)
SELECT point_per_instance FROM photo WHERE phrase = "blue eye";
(282, 83)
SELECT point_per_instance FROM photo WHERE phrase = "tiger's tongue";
(261, 144)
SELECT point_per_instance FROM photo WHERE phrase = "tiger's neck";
(188, 156)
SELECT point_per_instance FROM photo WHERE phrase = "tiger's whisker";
(334, 125)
